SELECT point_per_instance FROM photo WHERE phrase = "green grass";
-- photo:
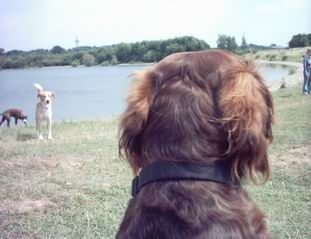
(86, 187)
(286, 198)
(79, 172)
(292, 54)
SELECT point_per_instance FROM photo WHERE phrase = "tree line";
(300, 40)
(144, 51)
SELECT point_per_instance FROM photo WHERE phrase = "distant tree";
(190, 43)
(150, 56)
(103, 54)
(123, 52)
(273, 45)
(226, 42)
(114, 60)
(300, 40)
(232, 45)
(173, 48)
(222, 41)
(243, 43)
(7, 63)
(203, 45)
(2, 51)
(305, 40)
(19, 62)
(139, 49)
(88, 59)
(40, 51)
(57, 50)
(82, 48)
(14, 53)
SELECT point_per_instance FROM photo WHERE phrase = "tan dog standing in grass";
(44, 110)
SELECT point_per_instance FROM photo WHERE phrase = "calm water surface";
(81, 93)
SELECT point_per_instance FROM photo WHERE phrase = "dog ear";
(247, 107)
(53, 94)
(134, 118)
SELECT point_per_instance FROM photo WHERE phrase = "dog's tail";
(38, 87)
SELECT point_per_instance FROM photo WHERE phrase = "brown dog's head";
(24, 117)
(199, 107)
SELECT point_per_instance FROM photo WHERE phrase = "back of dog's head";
(199, 108)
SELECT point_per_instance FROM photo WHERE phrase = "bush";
(114, 60)
(88, 59)
(272, 57)
(75, 63)
(14, 63)
(105, 63)
(284, 58)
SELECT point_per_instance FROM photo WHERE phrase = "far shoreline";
(81, 66)
(289, 80)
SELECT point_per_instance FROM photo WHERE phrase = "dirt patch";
(65, 162)
(19, 235)
(26, 136)
(24, 206)
(295, 156)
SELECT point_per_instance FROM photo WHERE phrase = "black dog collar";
(167, 171)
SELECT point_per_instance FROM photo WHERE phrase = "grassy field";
(292, 54)
(75, 186)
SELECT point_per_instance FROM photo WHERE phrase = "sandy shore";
(290, 80)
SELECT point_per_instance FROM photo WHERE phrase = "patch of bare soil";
(19, 235)
(65, 162)
(296, 156)
(24, 206)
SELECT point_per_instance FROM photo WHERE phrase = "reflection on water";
(83, 92)
(272, 72)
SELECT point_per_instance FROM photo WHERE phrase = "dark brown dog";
(15, 113)
(197, 108)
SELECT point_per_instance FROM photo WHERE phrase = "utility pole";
(77, 42)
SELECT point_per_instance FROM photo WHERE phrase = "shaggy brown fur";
(197, 107)
(16, 114)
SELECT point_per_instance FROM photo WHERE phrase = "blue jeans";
(306, 82)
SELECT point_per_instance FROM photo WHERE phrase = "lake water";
(83, 92)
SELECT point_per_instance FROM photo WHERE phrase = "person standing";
(307, 73)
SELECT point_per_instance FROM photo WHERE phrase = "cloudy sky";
(34, 24)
